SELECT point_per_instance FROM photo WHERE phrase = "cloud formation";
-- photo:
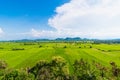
(88, 18)
(1, 32)
(49, 33)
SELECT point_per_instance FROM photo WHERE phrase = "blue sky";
(32, 19)
(20, 16)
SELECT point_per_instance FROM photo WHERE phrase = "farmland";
(21, 55)
(59, 60)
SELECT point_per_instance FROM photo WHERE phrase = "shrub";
(15, 49)
(65, 47)
(3, 65)
(54, 70)
(79, 47)
(115, 70)
(1, 48)
(83, 71)
(90, 46)
(40, 46)
(17, 75)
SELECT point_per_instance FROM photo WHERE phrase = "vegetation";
(59, 61)
(57, 69)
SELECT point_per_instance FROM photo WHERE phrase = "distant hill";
(70, 39)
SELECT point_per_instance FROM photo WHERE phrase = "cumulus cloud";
(88, 18)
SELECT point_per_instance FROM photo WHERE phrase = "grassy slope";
(32, 53)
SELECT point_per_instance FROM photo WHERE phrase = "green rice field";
(21, 55)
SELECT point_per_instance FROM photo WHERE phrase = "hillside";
(21, 55)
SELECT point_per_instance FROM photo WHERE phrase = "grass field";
(22, 55)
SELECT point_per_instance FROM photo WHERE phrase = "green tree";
(83, 70)
(55, 70)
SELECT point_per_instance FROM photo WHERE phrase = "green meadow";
(21, 55)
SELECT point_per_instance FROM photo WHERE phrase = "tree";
(83, 70)
(17, 75)
(55, 70)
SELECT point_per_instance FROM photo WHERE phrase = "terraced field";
(21, 55)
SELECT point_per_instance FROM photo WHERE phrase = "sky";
(37, 19)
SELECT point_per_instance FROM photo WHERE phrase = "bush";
(54, 70)
(90, 46)
(115, 70)
(79, 47)
(1, 48)
(40, 46)
(17, 75)
(83, 71)
(65, 47)
(15, 49)
(3, 65)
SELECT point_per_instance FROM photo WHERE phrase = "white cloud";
(43, 33)
(88, 18)
(48, 34)
(1, 32)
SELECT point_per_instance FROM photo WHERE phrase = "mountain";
(97, 41)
